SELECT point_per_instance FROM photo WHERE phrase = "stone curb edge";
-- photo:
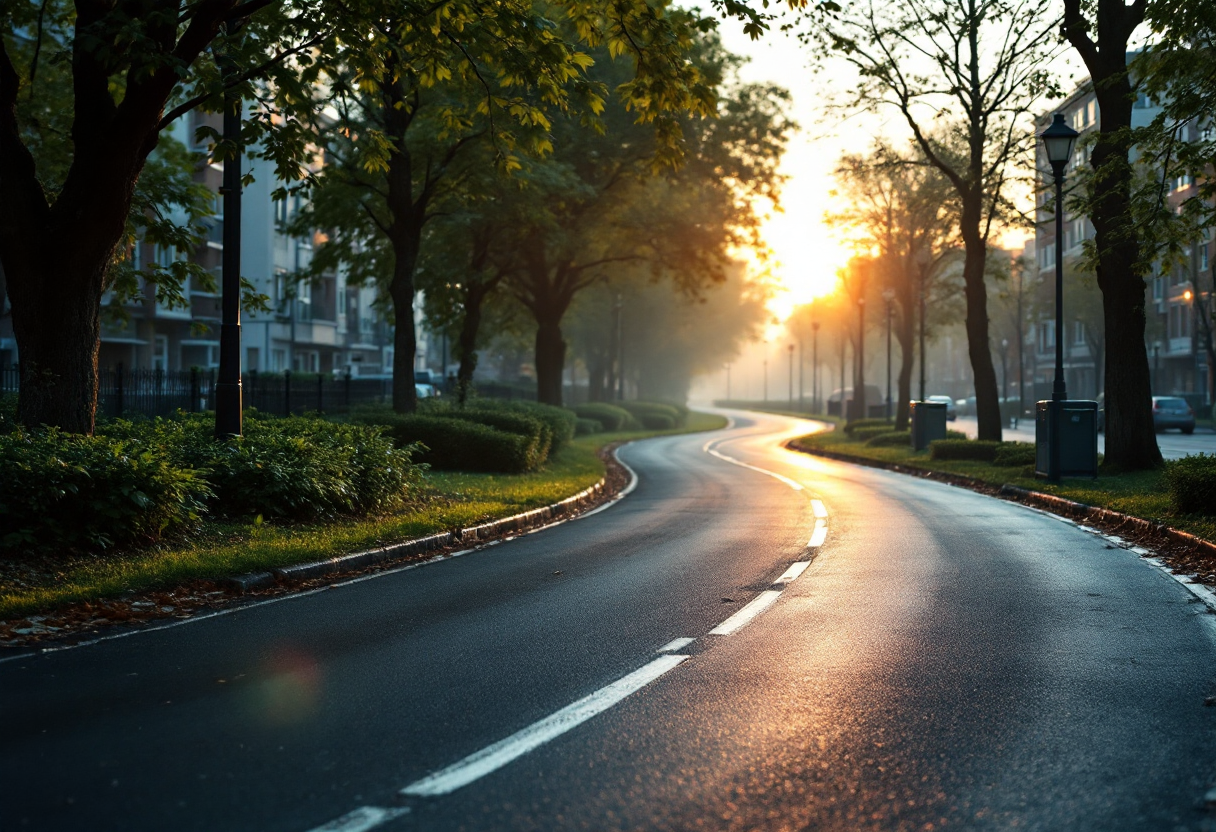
(515, 523)
(1050, 502)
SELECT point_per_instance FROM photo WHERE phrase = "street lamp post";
(1156, 367)
(791, 352)
(889, 296)
(1058, 140)
(815, 366)
(1004, 371)
(228, 404)
(859, 385)
(924, 256)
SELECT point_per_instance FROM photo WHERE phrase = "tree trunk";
(405, 341)
(58, 332)
(550, 360)
(405, 236)
(466, 345)
(905, 336)
(987, 398)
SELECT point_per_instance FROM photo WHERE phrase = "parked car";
(951, 408)
(425, 391)
(1172, 412)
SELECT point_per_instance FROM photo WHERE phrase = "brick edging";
(515, 523)
(1049, 502)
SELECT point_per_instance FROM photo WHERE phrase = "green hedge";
(295, 468)
(1014, 454)
(654, 415)
(868, 424)
(561, 422)
(891, 438)
(455, 444)
(865, 433)
(588, 426)
(613, 418)
(63, 492)
(1191, 482)
(539, 433)
(983, 451)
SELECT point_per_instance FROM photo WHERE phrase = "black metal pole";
(923, 274)
(801, 379)
(1059, 390)
(860, 405)
(815, 400)
(791, 362)
(228, 385)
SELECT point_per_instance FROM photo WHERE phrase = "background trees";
(965, 77)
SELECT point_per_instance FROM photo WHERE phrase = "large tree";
(966, 78)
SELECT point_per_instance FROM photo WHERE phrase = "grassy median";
(1140, 494)
(220, 549)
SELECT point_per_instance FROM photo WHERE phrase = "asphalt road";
(1173, 443)
(946, 661)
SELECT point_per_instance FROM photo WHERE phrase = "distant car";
(951, 409)
(425, 391)
(1172, 412)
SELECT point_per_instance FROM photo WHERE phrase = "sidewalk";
(1173, 445)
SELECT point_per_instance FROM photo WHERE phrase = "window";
(253, 359)
(278, 360)
(160, 353)
(280, 212)
(1091, 112)
(1203, 256)
(1078, 332)
(282, 290)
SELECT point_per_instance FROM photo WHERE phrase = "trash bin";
(928, 423)
(1078, 427)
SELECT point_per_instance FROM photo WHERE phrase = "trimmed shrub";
(459, 445)
(64, 491)
(560, 421)
(540, 434)
(963, 449)
(1014, 454)
(1191, 482)
(586, 426)
(296, 468)
(868, 432)
(955, 434)
(891, 439)
(864, 424)
(642, 410)
(613, 418)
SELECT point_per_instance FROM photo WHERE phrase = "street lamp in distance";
(791, 352)
(888, 295)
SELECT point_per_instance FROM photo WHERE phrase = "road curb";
(1049, 502)
(524, 521)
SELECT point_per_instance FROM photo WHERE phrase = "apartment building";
(1178, 360)
(314, 326)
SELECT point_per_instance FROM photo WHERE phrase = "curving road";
(946, 660)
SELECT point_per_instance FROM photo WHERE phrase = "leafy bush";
(1191, 482)
(642, 411)
(540, 434)
(8, 412)
(456, 444)
(613, 418)
(983, 451)
(586, 426)
(560, 421)
(296, 468)
(890, 439)
(64, 491)
(1014, 454)
(868, 432)
(955, 434)
(864, 424)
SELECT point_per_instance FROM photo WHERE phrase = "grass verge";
(221, 549)
(1140, 494)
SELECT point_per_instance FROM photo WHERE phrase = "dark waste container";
(928, 423)
(1077, 424)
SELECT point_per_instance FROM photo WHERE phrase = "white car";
(425, 391)
(951, 409)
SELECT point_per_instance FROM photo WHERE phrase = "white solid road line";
(494, 757)
(819, 535)
(794, 485)
(675, 645)
(744, 616)
(362, 819)
(793, 572)
(820, 511)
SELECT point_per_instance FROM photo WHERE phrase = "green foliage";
(654, 415)
(588, 426)
(864, 433)
(8, 412)
(613, 418)
(983, 451)
(296, 468)
(539, 434)
(857, 424)
(1014, 454)
(65, 491)
(890, 439)
(1191, 482)
(457, 445)
(561, 422)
